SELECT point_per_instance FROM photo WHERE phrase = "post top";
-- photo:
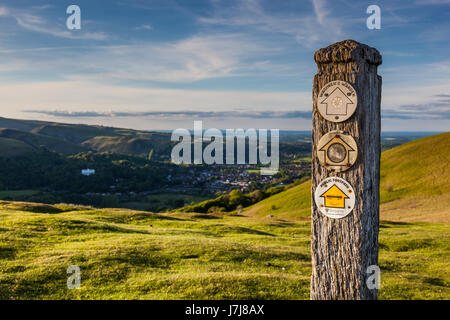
(348, 51)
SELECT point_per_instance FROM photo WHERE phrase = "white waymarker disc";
(335, 197)
(337, 101)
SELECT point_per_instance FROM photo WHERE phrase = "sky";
(161, 64)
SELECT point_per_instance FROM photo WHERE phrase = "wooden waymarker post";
(345, 213)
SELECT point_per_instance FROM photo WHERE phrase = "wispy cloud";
(144, 27)
(436, 110)
(430, 111)
(3, 12)
(320, 10)
(178, 114)
(43, 7)
(192, 59)
(79, 96)
(431, 2)
(308, 26)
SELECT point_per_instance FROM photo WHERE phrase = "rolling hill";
(414, 185)
(263, 253)
(11, 148)
(125, 254)
(138, 145)
(36, 141)
(69, 139)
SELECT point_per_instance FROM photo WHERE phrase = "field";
(262, 253)
(168, 201)
(137, 255)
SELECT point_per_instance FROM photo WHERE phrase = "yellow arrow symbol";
(334, 197)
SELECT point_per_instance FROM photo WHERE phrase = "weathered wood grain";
(342, 249)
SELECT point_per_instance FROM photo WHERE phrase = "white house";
(87, 172)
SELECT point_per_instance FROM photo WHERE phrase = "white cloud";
(196, 58)
(144, 27)
(431, 2)
(3, 12)
(320, 10)
(79, 95)
(307, 27)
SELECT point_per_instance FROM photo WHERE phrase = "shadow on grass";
(253, 231)
(435, 282)
(205, 216)
(7, 253)
(389, 224)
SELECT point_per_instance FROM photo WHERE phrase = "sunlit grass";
(136, 255)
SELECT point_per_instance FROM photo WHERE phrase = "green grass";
(406, 169)
(11, 148)
(414, 185)
(35, 141)
(294, 202)
(137, 255)
(165, 201)
(262, 254)
(187, 198)
(304, 159)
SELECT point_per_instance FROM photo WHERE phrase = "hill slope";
(414, 185)
(35, 141)
(414, 180)
(74, 138)
(11, 148)
(126, 254)
(138, 145)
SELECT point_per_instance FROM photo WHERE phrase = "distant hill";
(22, 125)
(36, 141)
(67, 139)
(414, 185)
(73, 133)
(138, 145)
(11, 148)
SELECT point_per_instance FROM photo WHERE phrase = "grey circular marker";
(336, 153)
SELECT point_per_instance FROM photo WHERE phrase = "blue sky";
(161, 64)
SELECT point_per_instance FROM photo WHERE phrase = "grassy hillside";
(263, 253)
(138, 145)
(73, 133)
(414, 185)
(414, 180)
(11, 148)
(22, 125)
(73, 138)
(36, 141)
(139, 255)
(294, 202)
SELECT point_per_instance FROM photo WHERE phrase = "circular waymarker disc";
(337, 101)
(334, 197)
(337, 151)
